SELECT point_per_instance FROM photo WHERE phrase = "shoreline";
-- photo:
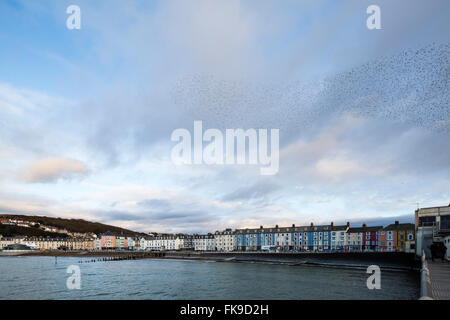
(294, 264)
(395, 262)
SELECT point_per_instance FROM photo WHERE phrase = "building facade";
(224, 240)
(204, 242)
(400, 237)
(431, 225)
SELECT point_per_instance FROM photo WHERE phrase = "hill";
(12, 231)
(72, 225)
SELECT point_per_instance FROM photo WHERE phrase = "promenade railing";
(425, 281)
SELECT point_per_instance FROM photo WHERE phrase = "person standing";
(433, 250)
(443, 250)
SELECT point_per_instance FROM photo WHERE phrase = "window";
(427, 221)
(445, 222)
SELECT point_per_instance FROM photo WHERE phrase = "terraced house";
(312, 238)
(363, 238)
(338, 236)
(108, 240)
(43, 243)
(305, 238)
(400, 237)
(80, 244)
(370, 238)
(167, 242)
(204, 242)
(46, 243)
(224, 240)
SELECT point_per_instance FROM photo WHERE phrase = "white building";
(167, 243)
(204, 242)
(98, 244)
(144, 243)
(282, 239)
(6, 241)
(131, 243)
(224, 240)
(338, 236)
(432, 225)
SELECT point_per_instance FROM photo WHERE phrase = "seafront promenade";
(440, 279)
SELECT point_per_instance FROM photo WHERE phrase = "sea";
(43, 277)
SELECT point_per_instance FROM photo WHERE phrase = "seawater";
(42, 278)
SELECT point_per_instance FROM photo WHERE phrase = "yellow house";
(404, 236)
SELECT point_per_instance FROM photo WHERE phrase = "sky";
(86, 116)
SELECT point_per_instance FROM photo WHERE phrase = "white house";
(204, 242)
(224, 240)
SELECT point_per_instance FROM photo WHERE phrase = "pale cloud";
(22, 206)
(220, 36)
(18, 101)
(353, 107)
(53, 169)
(336, 168)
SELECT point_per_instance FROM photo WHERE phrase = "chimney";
(293, 225)
(396, 222)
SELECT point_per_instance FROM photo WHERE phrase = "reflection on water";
(41, 278)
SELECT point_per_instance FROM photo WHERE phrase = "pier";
(435, 279)
(439, 279)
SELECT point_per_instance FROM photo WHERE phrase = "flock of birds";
(410, 87)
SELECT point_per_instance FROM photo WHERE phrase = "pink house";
(382, 241)
(391, 240)
(107, 240)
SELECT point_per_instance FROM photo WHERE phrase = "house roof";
(365, 229)
(400, 226)
(277, 229)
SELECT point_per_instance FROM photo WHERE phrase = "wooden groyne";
(99, 255)
(386, 260)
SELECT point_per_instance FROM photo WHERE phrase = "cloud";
(377, 221)
(337, 168)
(256, 191)
(53, 169)
(364, 122)
(155, 203)
(113, 215)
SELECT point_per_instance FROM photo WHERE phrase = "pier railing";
(425, 282)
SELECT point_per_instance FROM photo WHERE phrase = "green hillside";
(12, 231)
(73, 225)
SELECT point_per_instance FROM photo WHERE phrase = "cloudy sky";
(86, 115)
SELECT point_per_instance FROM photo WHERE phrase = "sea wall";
(401, 260)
